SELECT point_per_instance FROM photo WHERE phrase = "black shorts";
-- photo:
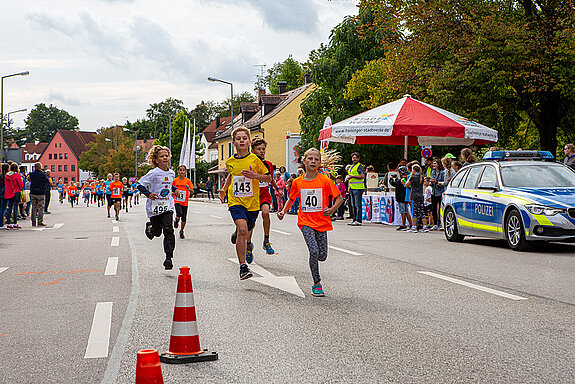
(115, 200)
(181, 212)
(109, 200)
(428, 208)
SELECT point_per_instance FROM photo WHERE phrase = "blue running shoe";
(316, 290)
(249, 253)
(268, 248)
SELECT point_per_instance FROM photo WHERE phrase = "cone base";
(184, 359)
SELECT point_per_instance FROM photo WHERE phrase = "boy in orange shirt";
(314, 216)
(73, 193)
(185, 186)
(117, 188)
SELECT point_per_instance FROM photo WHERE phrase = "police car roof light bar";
(518, 155)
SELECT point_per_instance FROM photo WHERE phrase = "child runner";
(259, 148)
(86, 190)
(185, 186)
(108, 193)
(125, 193)
(73, 193)
(100, 192)
(136, 192)
(314, 216)
(341, 187)
(157, 186)
(427, 191)
(246, 170)
(116, 188)
(93, 190)
(61, 191)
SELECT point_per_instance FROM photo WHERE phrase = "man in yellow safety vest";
(356, 179)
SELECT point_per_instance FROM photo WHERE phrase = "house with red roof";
(62, 154)
(207, 136)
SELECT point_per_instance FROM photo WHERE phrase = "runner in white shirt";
(156, 185)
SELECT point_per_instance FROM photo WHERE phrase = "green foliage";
(112, 151)
(43, 122)
(289, 71)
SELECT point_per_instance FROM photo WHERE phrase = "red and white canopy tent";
(408, 122)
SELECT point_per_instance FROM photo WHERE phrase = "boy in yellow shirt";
(245, 170)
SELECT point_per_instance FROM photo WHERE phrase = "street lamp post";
(135, 148)
(113, 141)
(25, 73)
(213, 79)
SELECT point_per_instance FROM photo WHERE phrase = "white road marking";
(111, 266)
(114, 221)
(198, 212)
(115, 241)
(344, 250)
(116, 229)
(285, 283)
(3, 269)
(58, 225)
(38, 229)
(281, 232)
(99, 339)
(216, 217)
(474, 286)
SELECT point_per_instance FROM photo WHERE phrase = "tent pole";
(405, 147)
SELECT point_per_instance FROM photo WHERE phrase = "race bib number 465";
(311, 200)
(242, 186)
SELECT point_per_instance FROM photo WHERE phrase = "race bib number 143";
(242, 186)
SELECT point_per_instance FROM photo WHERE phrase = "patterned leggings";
(317, 245)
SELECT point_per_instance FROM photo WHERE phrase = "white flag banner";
(185, 141)
(192, 162)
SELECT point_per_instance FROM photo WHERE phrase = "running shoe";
(352, 223)
(168, 264)
(245, 272)
(182, 235)
(41, 224)
(234, 236)
(249, 253)
(424, 230)
(176, 223)
(412, 230)
(47, 212)
(148, 231)
(434, 228)
(317, 290)
(117, 218)
(108, 215)
(401, 228)
(268, 248)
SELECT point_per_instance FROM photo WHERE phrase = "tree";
(178, 128)
(508, 64)
(112, 151)
(289, 71)
(223, 108)
(160, 114)
(43, 122)
(331, 67)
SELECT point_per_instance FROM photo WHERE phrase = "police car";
(519, 196)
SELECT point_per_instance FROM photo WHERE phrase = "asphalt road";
(395, 308)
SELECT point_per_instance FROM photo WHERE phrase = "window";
(60, 168)
(457, 179)
(60, 145)
(45, 167)
(230, 149)
(472, 177)
(73, 167)
(489, 176)
(65, 155)
(65, 180)
(222, 151)
(61, 156)
(73, 179)
(50, 156)
(55, 145)
(53, 168)
(65, 167)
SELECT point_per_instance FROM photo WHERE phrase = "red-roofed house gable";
(62, 154)
(207, 136)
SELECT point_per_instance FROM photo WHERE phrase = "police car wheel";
(450, 225)
(514, 232)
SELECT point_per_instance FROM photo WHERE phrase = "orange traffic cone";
(185, 339)
(148, 368)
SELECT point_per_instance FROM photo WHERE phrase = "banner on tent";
(380, 209)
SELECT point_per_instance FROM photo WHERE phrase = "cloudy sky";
(105, 61)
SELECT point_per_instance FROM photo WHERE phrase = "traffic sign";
(426, 152)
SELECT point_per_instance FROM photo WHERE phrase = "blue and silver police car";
(519, 196)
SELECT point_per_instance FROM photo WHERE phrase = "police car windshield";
(537, 176)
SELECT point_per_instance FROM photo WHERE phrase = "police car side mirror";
(488, 185)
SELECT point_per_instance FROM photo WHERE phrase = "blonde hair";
(417, 168)
(309, 151)
(154, 152)
(240, 129)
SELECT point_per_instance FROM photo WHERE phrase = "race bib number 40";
(242, 186)
(311, 200)
(159, 206)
